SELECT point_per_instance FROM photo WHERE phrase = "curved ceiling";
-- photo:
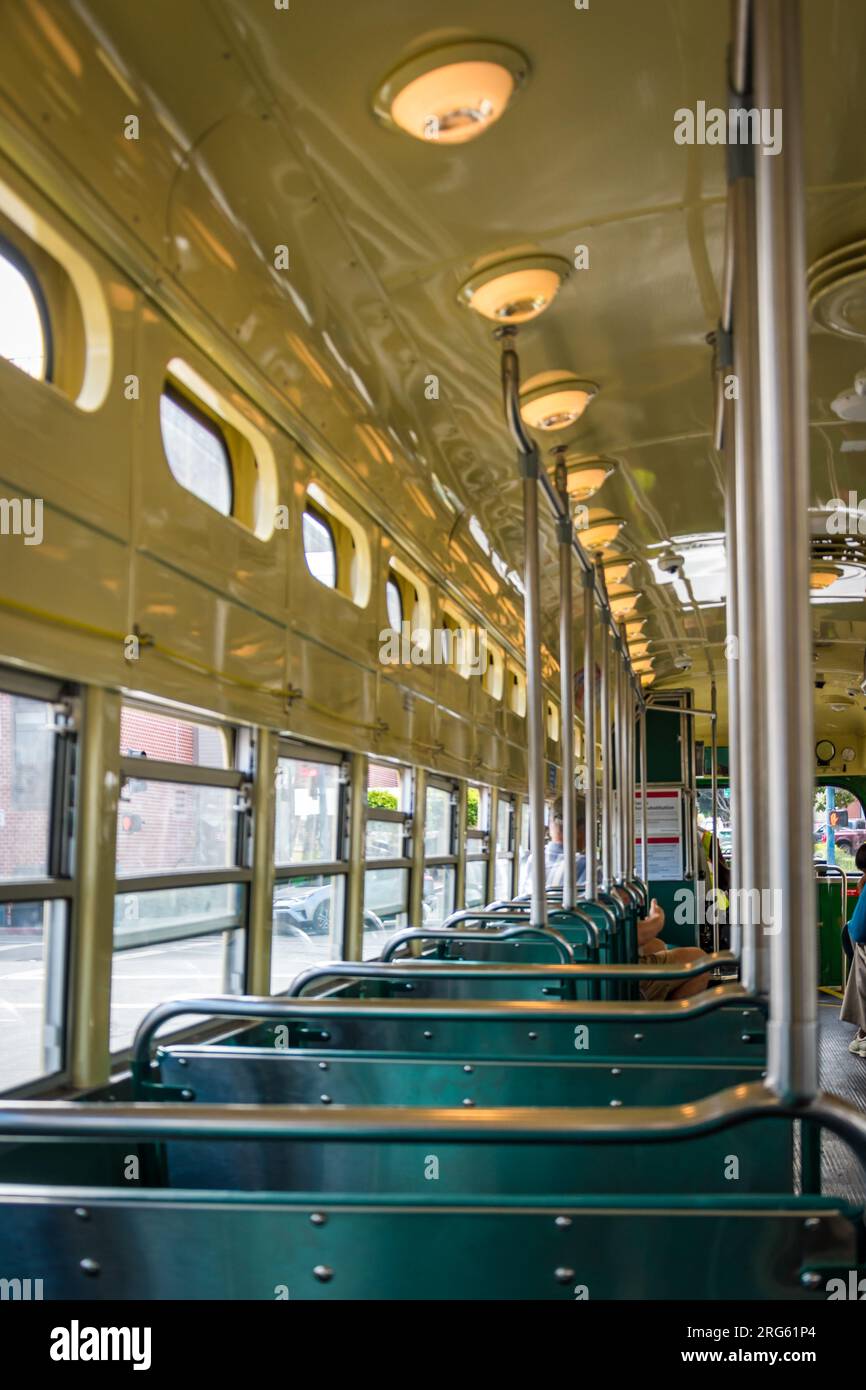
(257, 131)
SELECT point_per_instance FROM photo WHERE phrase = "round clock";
(825, 751)
(848, 755)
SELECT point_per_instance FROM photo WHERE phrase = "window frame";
(60, 885)
(316, 514)
(236, 776)
(340, 867)
(186, 402)
(17, 258)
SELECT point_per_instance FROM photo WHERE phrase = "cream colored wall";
(228, 623)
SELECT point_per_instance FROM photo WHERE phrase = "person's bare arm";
(652, 925)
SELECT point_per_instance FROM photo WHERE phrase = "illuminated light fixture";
(647, 677)
(823, 576)
(623, 605)
(615, 571)
(642, 666)
(638, 650)
(554, 400)
(451, 94)
(599, 534)
(514, 291)
(584, 479)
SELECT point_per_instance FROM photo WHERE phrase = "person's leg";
(854, 1004)
(684, 955)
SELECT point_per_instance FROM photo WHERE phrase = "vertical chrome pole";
(606, 764)
(714, 785)
(564, 535)
(616, 690)
(630, 770)
(644, 856)
(732, 641)
(527, 458)
(754, 812)
(784, 376)
(591, 880)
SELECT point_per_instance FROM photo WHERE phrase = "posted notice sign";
(664, 829)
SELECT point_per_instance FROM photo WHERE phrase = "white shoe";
(858, 1046)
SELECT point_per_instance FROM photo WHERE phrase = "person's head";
(555, 826)
(860, 858)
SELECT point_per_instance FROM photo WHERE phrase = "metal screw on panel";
(317, 1219)
(563, 1222)
(186, 1095)
(812, 1221)
(810, 1279)
(467, 1101)
(326, 1037)
(326, 1100)
(638, 1037)
(744, 1037)
(616, 1071)
(323, 1066)
(323, 1273)
(427, 1033)
(468, 1068)
(182, 1061)
(154, 1066)
(89, 1267)
(82, 1213)
(615, 1104)
(533, 1036)
(563, 1275)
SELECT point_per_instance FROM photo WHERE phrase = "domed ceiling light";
(615, 571)
(823, 576)
(586, 477)
(638, 650)
(555, 400)
(635, 629)
(452, 94)
(514, 291)
(599, 534)
(623, 605)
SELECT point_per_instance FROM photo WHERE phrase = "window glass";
(22, 329)
(319, 549)
(395, 604)
(308, 921)
(164, 827)
(439, 880)
(386, 787)
(173, 943)
(196, 451)
(437, 823)
(384, 839)
(386, 903)
(307, 812)
(503, 825)
(32, 934)
(838, 825)
(144, 734)
(502, 883)
(27, 741)
(476, 882)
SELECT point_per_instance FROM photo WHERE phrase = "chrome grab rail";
(147, 1120)
(284, 1008)
(465, 970)
(539, 934)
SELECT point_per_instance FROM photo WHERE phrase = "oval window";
(394, 603)
(196, 451)
(320, 550)
(24, 337)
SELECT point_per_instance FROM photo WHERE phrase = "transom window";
(196, 450)
(24, 333)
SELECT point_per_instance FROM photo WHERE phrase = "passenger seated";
(854, 1003)
(554, 859)
(653, 951)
